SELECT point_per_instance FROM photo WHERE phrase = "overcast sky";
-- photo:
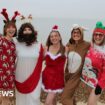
(89, 9)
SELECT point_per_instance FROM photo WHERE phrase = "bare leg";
(93, 98)
(50, 100)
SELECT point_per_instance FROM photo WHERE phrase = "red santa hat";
(55, 28)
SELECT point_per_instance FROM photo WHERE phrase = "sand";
(81, 103)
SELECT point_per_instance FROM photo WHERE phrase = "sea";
(44, 26)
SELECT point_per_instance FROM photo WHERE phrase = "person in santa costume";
(53, 74)
(8, 60)
(78, 48)
(93, 73)
(29, 66)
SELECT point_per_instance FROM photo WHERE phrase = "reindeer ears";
(5, 14)
(5, 21)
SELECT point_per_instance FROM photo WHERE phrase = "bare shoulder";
(45, 48)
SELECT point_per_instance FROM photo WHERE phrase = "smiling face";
(98, 38)
(55, 37)
(76, 35)
(10, 29)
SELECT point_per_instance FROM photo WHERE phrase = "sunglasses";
(99, 35)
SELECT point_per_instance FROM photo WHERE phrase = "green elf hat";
(99, 28)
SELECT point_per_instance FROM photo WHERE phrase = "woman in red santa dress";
(29, 66)
(93, 73)
(7, 60)
(53, 74)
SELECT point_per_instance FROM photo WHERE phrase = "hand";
(98, 90)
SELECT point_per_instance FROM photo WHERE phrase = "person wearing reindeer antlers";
(7, 60)
(53, 74)
(93, 73)
(29, 66)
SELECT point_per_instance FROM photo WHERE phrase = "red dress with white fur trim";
(53, 74)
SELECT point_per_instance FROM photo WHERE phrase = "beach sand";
(81, 103)
(81, 96)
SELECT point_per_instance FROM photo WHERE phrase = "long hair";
(31, 38)
(49, 43)
(7, 25)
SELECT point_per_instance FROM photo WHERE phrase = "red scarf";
(30, 83)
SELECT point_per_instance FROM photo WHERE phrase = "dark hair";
(32, 37)
(48, 43)
(10, 23)
(71, 40)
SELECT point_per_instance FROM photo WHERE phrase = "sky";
(87, 9)
(83, 12)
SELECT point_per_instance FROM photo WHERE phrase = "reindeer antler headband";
(26, 19)
(5, 14)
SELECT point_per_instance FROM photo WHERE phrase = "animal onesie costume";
(74, 67)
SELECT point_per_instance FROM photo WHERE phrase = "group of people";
(86, 62)
(22, 56)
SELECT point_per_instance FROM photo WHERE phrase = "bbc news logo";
(9, 93)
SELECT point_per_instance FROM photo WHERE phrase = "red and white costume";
(94, 67)
(53, 74)
(28, 73)
(7, 63)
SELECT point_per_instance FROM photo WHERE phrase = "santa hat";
(55, 28)
(5, 14)
(99, 28)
